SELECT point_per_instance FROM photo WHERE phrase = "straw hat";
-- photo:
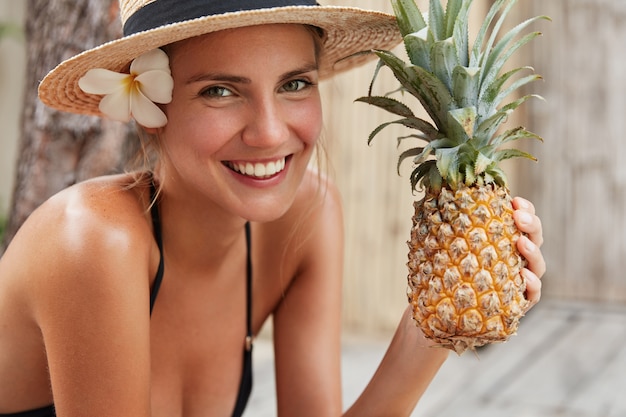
(150, 24)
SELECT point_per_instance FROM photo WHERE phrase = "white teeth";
(259, 170)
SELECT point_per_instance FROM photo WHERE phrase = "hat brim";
(348, 31)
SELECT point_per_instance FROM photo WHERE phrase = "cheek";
(309, 122)
(186, 136)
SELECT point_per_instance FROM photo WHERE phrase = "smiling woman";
(149, 286)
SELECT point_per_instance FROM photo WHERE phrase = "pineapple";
(464, 282)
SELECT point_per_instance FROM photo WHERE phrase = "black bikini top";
(245, 386)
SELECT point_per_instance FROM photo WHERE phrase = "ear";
(151, 130)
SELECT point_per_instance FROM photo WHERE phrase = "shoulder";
(76, 280)
(86, 237)
(101, 211)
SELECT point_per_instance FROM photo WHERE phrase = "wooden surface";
(378, 203)
(568, 360)
(579, 185)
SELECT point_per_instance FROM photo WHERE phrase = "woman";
(229, 227)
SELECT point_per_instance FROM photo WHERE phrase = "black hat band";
(164, 12)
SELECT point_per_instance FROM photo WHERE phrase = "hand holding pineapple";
(467, 285)
(528, 245)
(410, 363)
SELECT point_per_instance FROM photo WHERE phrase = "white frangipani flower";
(135, 94)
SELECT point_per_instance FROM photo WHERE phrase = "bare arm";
(307, 324)
(408, 367)
(307, 340)
(87, 286)
(410, 364)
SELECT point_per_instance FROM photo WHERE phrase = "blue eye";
(296, 85)
(216, 91)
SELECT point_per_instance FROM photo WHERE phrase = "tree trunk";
(60, 149)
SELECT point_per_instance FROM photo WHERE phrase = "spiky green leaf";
(379, 65)
(428, 89)
(430, 133)
(481, 163)
(516, 103)
(496, 175)
(487, 128)
(408, 16)
(448, 165)
(470, 177)
(503, 8)
(461, 88)
(452, 11)
(462, 123)
(418, 48)
(389, 104)
(504, 154)
(465, 86)
(488, 100)
(500, 55)
(422, 154)
(443, 60)
(437, 20)
(458, 28)
(476, 53)
(409, 153)
(421, 171)
(515, 86)
(515, 134)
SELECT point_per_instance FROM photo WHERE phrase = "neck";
(198, 234)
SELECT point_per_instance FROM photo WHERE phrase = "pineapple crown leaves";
(461, 87)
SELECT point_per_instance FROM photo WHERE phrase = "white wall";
(12, 69)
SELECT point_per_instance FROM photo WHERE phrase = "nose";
(267, 125)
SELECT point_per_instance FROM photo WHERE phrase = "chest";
(198, 335)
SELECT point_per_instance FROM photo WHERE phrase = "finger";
(529, 224)
(520, 203)
(533, 287)
(534, 258)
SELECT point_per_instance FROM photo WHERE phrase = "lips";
(260, 170)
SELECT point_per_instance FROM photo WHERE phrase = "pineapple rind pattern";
(463, 294)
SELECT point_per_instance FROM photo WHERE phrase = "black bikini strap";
(156, 225)
(248, 288)
(245, 385)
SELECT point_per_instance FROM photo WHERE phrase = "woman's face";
(244, 118)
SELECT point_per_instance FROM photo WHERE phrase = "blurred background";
(568, 358)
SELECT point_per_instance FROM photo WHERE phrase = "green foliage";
(10, 30)
(3, 226)
(461, 87)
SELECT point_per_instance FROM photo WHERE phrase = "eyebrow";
(236, 79)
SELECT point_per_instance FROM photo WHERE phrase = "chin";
(262, 213)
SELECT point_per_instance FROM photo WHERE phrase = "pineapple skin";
(464, 282)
